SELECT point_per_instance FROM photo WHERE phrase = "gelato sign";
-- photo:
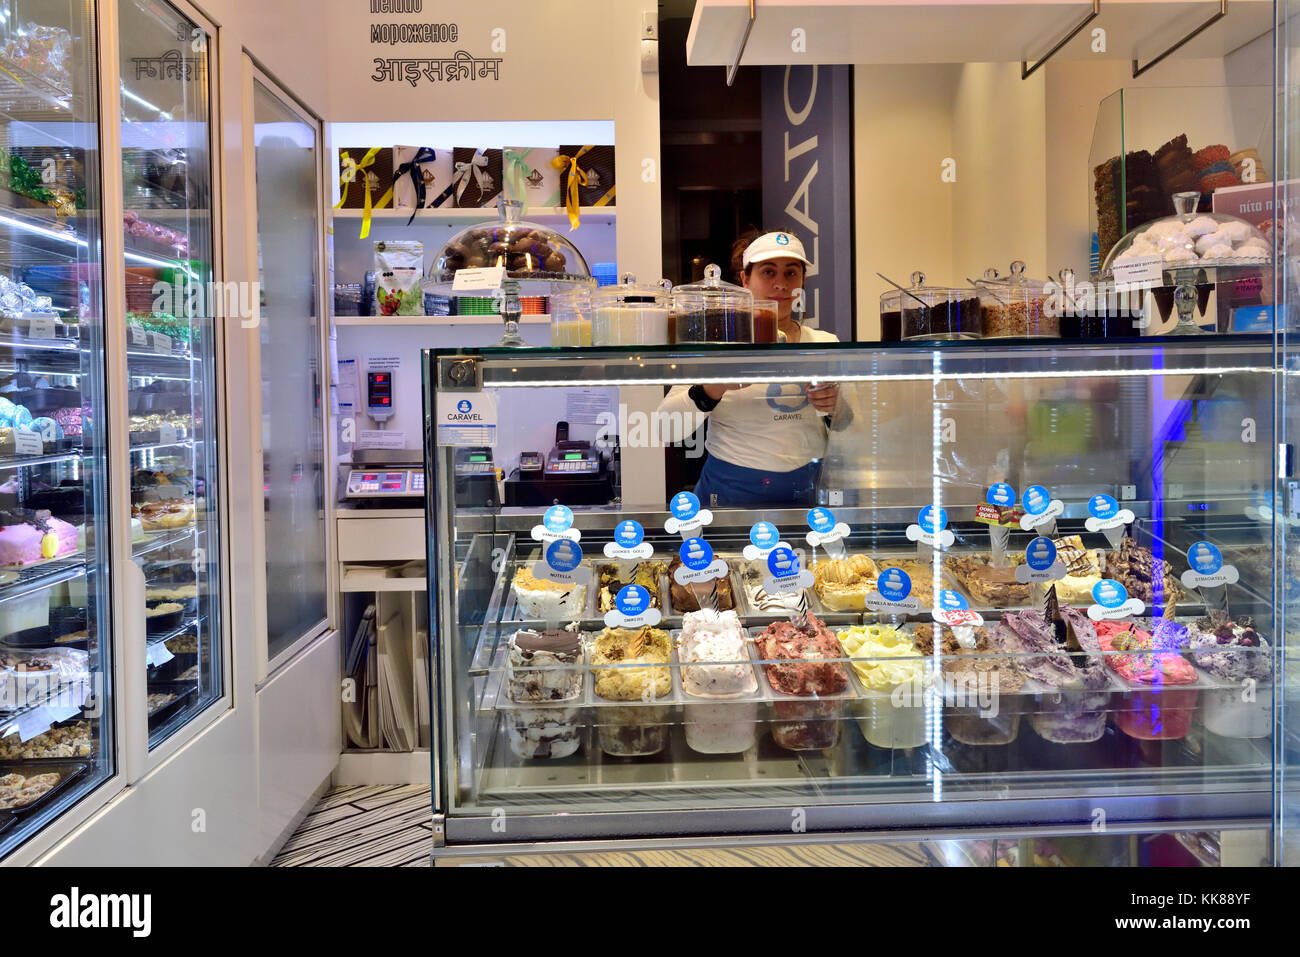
(698, 564)
(763, 537)
(629, 542)
(1208, 570)
(1041, 564)
(893, 594)
(632, 609)
(432, 61)
(1112, 601)
(785, 573)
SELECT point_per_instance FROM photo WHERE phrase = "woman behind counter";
(766, 441)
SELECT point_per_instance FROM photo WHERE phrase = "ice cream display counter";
(1007, 626)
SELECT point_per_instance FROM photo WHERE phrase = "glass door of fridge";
(56, 735)
(171, 301)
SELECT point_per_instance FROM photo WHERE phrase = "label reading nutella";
(562, 564)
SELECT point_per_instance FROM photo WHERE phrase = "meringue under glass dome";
(1189, 240)
(541, 259)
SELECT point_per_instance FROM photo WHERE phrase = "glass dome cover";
(1189, 239)
(540, 258)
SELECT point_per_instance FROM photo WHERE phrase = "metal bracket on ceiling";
(1026, 70)
(1223, 12)
(744, 39)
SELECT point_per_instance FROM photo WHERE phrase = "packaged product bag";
(399, 270)
(597, 166)
(378, 175)
(476, 177)
(420, 176)
(531, 176)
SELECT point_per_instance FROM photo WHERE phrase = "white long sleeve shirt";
(772, 427)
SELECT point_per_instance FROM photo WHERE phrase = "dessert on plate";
(28, 536)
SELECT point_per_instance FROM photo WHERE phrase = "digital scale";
(573, 472)
(391, 478)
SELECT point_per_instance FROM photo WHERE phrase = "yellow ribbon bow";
(576, 178)
(351, 170)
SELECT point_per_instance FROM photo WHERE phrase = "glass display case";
(171, 305)
(1057, 607)
(56, 729)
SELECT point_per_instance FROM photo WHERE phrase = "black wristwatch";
(701, 399)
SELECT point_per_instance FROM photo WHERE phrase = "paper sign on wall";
(466, 418)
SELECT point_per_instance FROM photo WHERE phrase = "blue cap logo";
(463, 406)
(629, 534)
(782, 239)
(783, 563)
(558, 518)
(685, 506)
(1040, 554)
(632, 600)
(1036, 500)
(950, 600)
(1103, 507)
(563, 555)
(821, 520)
(933, 520)
(894, 584)
(1001, 494)
(1109, 593)
(696, 554)
(764, 535)
(1205, 558)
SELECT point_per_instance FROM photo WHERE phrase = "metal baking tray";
(70, 769)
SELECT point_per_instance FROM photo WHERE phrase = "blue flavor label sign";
(632, 609)
(698, 564)
(1105, 515)
(1208, 569)
(931, 528)
(686, 516)
(557, 523)
(1111, 601)
(1040, 508)
(785, 573)
(825, 531)
(763, 537)
(629, 542)
(1001, 494)
(1041, 564)
(893, 594)
(562, 563)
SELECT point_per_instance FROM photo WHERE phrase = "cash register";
(573, 472)
(475, 478)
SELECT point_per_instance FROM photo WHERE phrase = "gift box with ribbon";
(476, 177)
(596, 184)
(420, 177)
(365, 181)
(531, 176)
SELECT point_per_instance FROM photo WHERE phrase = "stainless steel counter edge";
(1023, 816)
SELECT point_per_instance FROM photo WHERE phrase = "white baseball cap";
(774, 246)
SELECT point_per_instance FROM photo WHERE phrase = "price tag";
(166, 434)
(160, 343)
(629, 542)
(1041, 564)
(34, 723)
(1208, 570)
(1112, 602)
(1040, 508)
(480, 279)
(763, 537)
(557, 523)
(1138, 271)
(138, 336)
(632, 609)
(785, 573)
(27, 442)
(562, 564)
(156, 654)
(893, 594)
(931, 528)
(41, 327)
(687, 516)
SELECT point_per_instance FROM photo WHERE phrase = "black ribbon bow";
(423, 155)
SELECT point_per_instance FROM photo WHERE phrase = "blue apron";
(727, 485)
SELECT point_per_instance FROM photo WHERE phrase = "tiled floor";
(379, 826)
(389, 826)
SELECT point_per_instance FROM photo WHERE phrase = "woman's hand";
(823, 396)
(717, 390)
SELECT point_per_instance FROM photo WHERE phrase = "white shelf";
(434, 320)
(590, 215)
(963, 31)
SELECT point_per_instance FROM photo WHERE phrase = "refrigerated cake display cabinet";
(1034, 588)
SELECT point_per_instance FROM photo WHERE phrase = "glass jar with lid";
(939, 312)
(712, 311)
(630, 313)
(891, 316)
(571, 317)
(1017, 307)
(766, 320)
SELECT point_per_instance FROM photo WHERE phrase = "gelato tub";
(1151, 665)
(541, 696)
(631, 665)
(611, 578)
(980, 687)
(719, 685)
(991, 586)
(1233, 653)
(687, 598)
(543, 732)
(800, 664)
(543, 600)
(892, 673)
(843, 584)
